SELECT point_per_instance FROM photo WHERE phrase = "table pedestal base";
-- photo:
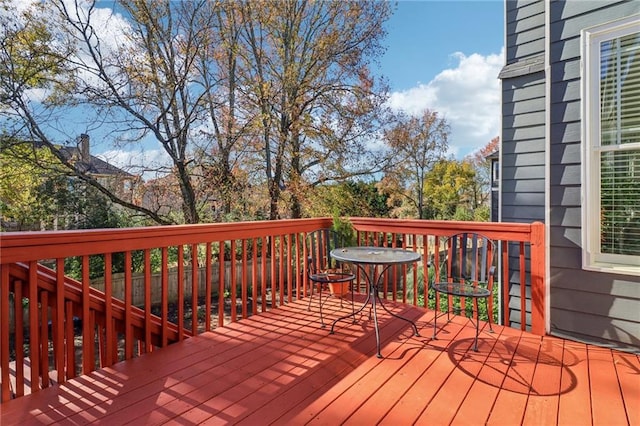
(373, 281)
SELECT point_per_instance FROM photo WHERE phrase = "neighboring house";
(115, 179)
(494, 159)
(570, 157)
(162, 195)
(119, 182)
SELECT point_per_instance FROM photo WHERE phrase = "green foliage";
(482, 213)
(431, 302)
(32, 187)
(350, 198)
(448, 186)
(463, 214)
(27, 52)
(345, 231)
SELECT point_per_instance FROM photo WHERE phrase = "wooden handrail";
(26, 246)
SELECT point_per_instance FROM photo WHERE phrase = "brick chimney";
(83, 146)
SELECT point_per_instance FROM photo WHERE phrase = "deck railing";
(55, 326)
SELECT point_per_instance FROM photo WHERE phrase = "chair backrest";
(469, 257)
(319, 244)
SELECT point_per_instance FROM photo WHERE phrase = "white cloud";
(468, 96)
(150, 164)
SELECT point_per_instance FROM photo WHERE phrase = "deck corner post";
(538, 285)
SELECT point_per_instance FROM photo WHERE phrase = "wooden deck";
(281, 368)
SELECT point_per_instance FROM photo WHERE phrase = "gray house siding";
(523, 133)
(591, 306)
(525, 29)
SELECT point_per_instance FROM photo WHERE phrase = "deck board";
(575, 400)
(280, 367)
(542, 404)
(628, 371)
(606, 402)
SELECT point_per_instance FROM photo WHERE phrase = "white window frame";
(592, 257)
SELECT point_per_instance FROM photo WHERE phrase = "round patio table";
(371, 258)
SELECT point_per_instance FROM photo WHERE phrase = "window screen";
(620, 163)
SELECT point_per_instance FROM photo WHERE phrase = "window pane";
(620, 90)
(620, 202)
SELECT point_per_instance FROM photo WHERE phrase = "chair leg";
(435, 319)
(489, 315)
(320, 305)
(353, 311)
(310, 296)
(475, 342)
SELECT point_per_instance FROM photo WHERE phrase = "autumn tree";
(448, 188)
(231, 117)
(226, 90)
(28, 60)
(136, 75)
(417, 143)
(481, 190)
(350, 198)
(317, 101)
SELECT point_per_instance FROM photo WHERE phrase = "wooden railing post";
(538, 287)
(5, 391)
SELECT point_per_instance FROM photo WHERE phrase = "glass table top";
(375, 255)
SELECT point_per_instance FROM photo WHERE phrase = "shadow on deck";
(280, 367)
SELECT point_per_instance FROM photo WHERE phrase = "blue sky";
(446, 55)
(422, 36)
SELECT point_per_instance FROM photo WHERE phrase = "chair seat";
(332, 277)
(461, 289)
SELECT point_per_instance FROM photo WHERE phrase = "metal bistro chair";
(467, 271)
(322, 270)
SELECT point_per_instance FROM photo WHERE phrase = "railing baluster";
(273, 284)
(58, 336)
(254, 277)
(232, 284)
(148, 346)
(289, 269)
(44, 338)
(5, 390)
(244, 284)
(195, 266)
(34, 341)
(221, 286)
(19, 338)
(87, 333)
(280, 268)
(70, 346)
(506, 283)
(264, 274)
(180, 288)
(128, 321)
(207, 286)
(108, 311)
(425, 274)
(165, 296)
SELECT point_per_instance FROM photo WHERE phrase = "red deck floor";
(281, 368)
